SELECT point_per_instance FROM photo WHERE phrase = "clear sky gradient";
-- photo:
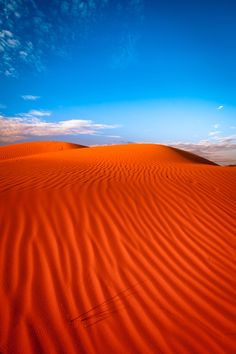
(105, 72)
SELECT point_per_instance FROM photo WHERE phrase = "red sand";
(27, 149)
(116, 249)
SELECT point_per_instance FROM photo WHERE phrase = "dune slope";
(25, 149)
(117, 249)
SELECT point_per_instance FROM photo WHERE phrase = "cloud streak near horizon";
(221, 151)
(31, 125)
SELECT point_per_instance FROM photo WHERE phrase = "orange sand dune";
(25, 149)
(117, 249)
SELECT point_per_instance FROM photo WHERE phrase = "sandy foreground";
(116, 249)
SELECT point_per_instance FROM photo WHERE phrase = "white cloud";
(13, 43)
(222, 150)
(215, 133)
(6, 34)
(216, 126)
(36, 113)
(227, 139)
(15, 129)
(30, 97)
(220, 107)
(9, 47)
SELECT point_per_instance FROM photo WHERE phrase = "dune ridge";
(32, 148)
(117, 249)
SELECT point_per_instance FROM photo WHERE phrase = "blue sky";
(105, 72)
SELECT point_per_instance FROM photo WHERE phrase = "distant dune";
(32, 148)
(116, 249)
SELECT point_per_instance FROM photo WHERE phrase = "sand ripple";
(120, 249)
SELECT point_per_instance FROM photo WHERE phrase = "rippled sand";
(116, 249)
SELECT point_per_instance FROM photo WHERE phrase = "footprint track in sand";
(105, 309)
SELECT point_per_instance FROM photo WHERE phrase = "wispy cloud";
(215, 133)
(2, 106)
(125, 53)
(14, 129)
(216, 126)
(36, 113)
(30, 97)
(114, 136)
(220, 107)
(227, 139)
(222, 151)
(29, 30)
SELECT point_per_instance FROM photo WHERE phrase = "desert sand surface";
(26, 149)
(116, 249)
